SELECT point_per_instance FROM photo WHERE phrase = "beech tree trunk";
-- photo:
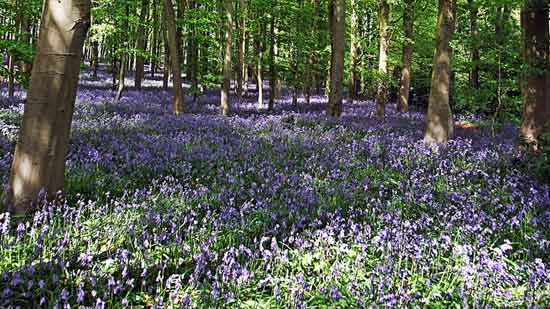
(536, 86)
(383, 24)
(180, 29)
(39, 160)
(227, 58)
(354, 52)
(337, 16)
(170, 18)
(155, 45)
(141, 44)
(259, 68)
(124, 57)
(272, 69)
(242, 48)
(439, 121)
(95, 58)
(166, 71)
(405, 81)
(11, 72)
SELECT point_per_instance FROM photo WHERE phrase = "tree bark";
(405, 81)
(354, 52)
(382, 91)
(141, 44)
(259, 67)
(166, 70)
(272, 68)
(39, 160)
(227, 58)
(337, 16)
(536, 86)
(123, 57)
(170, 18)
(155, 45)
(180, 29)
(242, 48)
(439, 121)
(95, 58)
(11, 76)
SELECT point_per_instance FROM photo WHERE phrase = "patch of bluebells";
(288, 208)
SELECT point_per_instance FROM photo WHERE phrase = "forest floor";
(274, 210)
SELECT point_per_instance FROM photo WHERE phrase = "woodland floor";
(274, 210)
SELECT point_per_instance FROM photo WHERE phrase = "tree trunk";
(536, 86)
(439, 121)
(405, 81)
(474, 34)
(39, 160)
(166, 71)
(242, 48)
(272, 69)
(123, 57)
(227, 58)
(174, 57)
(337, 18)
(11, 76)
(155, 45)
(25, 38)
(181, 14)
(259, 68)
(141, 44)
(95, 58)
(382, 91)
(354, 52)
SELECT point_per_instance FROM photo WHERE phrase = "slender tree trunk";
(154, 45)
(114, 70)
(242, 48)
(259, 68)
(123, 57)
(39, 160)
(95, 58)
(174, 57)
(474, 34)
(536, 86)
(166, 71)
(11, 72)
(337, 16)
(227, 58)
(382, 90)
(24, 38)
(439, 121)
(405, 81)
(354, 52)
(141, 44)
(272, 69)
(180, 29)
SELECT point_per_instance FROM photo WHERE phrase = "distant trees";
(299, 48)
(39, 160)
